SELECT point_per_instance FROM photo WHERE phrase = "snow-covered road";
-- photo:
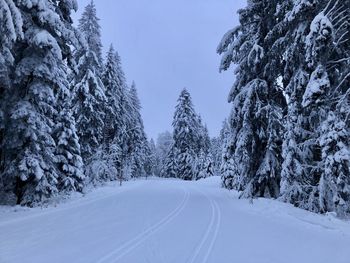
(170, 221)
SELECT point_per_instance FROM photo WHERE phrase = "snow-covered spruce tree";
(68, 156)
(89, 102)
(204, 165)
(206, 142)
(287, 39)
(216, 153)
(316, 30)
(106, 164)
(222, 148)
(334, 186)
(164, 143)
(151, 158)
(186, 134)
(170, 167)
(253, 159)
(122, 110)
(39, 75)
(327, 45)
(113, 94)
(10, 31)
(295, 188)
(137, 140)
(112, 158)
(203, 143)
(89, 26)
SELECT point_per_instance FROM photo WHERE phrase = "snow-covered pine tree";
(316, 30)
(327, 45)
(334, 185)
(111, 161)
(164, 143)
(287, 38)
(199, 166)
(216, 153)
(170, 167)
(68, 155)
(150, 154)
(123, 112)
(186, 134)
(209, 164)
(204, 165)
(110, 81)
(221, 149)
(253, 150)
(89, 26)
(89, 102)
(206, 141)
(203, 143)
(137, 138)
(39, 76)
(10, 31)
(294, 176)
(109, 157)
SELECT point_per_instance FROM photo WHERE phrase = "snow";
(42, 38)
(167, 220)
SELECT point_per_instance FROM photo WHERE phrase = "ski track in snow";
(215, 235)
(115, 255)
(171, 221)
(210, 235)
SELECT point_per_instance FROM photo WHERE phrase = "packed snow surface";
(171, 221)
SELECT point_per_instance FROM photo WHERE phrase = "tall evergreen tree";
(164, 144)
(295, 51)
(137, 138)
(334, 186)
(186, 135)
(255, 143)
(150, 154)
(89, 26)
(90, 102)
(39, 76)
(170, 167)
(314, 85)
(10, 31)
(111, 152)
(68, 154)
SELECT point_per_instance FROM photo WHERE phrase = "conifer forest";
(86, 177)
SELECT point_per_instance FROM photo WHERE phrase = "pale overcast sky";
(166, 46)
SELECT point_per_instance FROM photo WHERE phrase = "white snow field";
(169, 221)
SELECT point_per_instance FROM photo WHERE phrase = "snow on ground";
(171, 221)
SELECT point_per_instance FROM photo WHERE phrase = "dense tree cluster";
(288, 134)
(67, 119)
(188, 153)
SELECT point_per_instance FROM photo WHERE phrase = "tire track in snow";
(210, 234)
(120, 252)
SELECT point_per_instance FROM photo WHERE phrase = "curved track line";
(211, 233)
(133, 243)
(215, 236)
(206, 235)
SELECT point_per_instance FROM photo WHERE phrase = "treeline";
(289, 127)
(67, 118)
